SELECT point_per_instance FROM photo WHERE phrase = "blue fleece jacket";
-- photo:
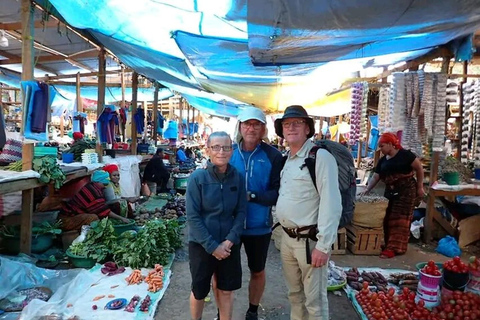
(215, 207)
(261, 169)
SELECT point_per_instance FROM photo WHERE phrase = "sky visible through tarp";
(270, 54)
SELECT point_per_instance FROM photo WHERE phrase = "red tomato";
(456, 259)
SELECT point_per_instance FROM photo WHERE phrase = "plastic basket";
(45, 151)
(429, 281)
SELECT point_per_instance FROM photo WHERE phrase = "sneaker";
(251, 316)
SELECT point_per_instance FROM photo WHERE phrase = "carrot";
(111, 296)
(98, 297)
(113, 287)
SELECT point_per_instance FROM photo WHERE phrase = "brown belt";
(295, 233)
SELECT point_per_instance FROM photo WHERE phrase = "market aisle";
(174, 305)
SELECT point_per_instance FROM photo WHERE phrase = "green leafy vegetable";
(49, 171)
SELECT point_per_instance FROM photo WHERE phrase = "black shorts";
(256, 248)
(204, 265)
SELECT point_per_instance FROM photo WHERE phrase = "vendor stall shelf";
(22, 184)
(431, 213)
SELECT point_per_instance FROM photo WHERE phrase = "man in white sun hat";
(261, 164)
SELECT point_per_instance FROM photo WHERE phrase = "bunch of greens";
(49, 170)
(99, 243)
(151, 246)
(173, 234)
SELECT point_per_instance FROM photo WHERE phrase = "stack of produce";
(383, 112)
(145, 304)
(135, 277)
(132, 304)
(354, 279)
(155, 279)
(404, 280)
(49, 171)
(172, 210)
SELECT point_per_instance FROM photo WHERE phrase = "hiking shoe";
(251, 316)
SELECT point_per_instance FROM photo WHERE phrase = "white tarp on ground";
(76, 297)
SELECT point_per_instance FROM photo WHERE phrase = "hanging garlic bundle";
(427, 103)
(363, 118)
(355, 114)
(440, 91)
(468, 106)
(383, 108)
(398, 102)
(476, 101)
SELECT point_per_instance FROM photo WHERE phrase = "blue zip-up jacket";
(262, 177)
(215, 207)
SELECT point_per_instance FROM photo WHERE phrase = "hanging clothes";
(139, 118)
(106, 125)
(40, 108)
(123, 119)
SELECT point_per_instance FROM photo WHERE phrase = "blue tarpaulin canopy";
(268, 53)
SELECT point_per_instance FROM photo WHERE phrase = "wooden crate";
(340, 246)
(364, 241)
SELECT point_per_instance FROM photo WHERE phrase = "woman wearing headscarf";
(113, 193)
(88, 204)
(397, 169)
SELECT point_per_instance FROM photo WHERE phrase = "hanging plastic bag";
(416, 227)
(448, 246)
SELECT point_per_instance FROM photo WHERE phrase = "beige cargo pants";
(307, 286)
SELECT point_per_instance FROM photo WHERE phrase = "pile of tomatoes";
(431, 269)
(474, 264)
(390, 306)
(455, 265)
(381, 306)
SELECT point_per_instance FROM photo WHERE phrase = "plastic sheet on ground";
(351, 292)
(6, 176)
(17, 273)
(76, 297)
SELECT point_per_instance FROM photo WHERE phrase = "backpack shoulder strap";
(310, 163)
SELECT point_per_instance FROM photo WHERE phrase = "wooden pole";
(102, 64)
(145, 112)
(122, 103)
(427, 234)
(460, 107)
(134, 110)
(27, 13)
(367, 138)
(155, 113)
(79, 97)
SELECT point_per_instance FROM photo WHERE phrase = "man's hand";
(125, 220)
(221, 252)
(319, 259)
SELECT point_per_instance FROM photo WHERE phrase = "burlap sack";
(369, 215)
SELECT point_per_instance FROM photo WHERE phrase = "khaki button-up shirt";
(300, 205)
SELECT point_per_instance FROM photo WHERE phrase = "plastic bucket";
(429, 281)
(454, 282)
(451, 178)
(431, 296)
(474, 283)
(181, 183)
(67, 157)
(477, 173)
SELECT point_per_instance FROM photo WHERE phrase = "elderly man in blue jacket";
(260, 164)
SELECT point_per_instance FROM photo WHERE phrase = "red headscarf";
(77, 136)
(389, 137)
(110, 168)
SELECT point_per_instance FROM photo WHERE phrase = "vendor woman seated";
(88, 205)
(120, 205)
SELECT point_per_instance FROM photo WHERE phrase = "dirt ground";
(275, 306)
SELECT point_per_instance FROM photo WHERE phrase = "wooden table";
(30, 184)
(433, 215)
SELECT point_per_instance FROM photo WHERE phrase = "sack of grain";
(370, 211)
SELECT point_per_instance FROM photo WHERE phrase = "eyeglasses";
(224, 148)
(295, 124)
(256, 125)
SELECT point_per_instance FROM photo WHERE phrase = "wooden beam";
(122, 103)
(78, 91)
(37, 24)
(445, 64)
(27, 13)
(155, 113)
(14, 59)
(102, 64)
(18, 59)
(95, 84)
(134, 102)
(82, 75)
(435, 53)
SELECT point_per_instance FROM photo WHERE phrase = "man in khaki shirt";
(305, 214)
